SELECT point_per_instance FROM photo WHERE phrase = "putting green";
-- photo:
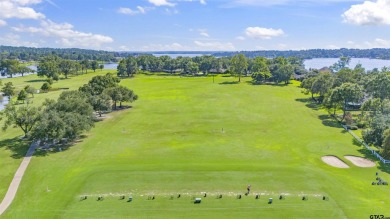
(190, 136)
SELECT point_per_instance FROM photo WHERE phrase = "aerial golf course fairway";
(190, 136)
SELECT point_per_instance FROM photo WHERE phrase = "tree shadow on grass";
(17, 146)
(278, 85)
(329, 121)
(229, 82)
(309, 103)
(45, 149)
(36, 81)
(356, 142)
(367, 154)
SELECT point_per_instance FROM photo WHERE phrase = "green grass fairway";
(11, 149)
(190, 136)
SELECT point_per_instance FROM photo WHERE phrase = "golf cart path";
(13, 187)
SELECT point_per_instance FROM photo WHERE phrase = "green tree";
(45, 87)
(94, 65)
(239, 65)
(101, 103)
(67, 117)
(206, 64)
(193, 68)
(333, 102)
(115, 94)
(8, 90)
(260, 70)
(143, 61)
(283, 73)
(99, 83)
(307, 85)
(346, 94)
(50, 127)
(101, 66)
(67, 67)
(374, 134)
(21, 69)
(48, 66)
(24, 117)
(343, 62)
(85, 64)
(30, 90)
(378, 85)
(9, 67)
(22, 96)
(170, 65)
(127, 67)
(386, 144)
(126, 94)
(322, 84)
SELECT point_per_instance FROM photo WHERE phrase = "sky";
(196, 25)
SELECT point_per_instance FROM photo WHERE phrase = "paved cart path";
(13, 187)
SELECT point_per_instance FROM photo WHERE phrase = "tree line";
(347, 89)
(376, 53)
(74, 112)
(34, 54)
(261, 69)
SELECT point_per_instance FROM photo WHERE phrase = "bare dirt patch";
(334, 162)
(360, 161)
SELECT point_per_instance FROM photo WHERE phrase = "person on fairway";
(248, 189)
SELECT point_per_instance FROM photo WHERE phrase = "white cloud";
(124, 48)
(331, 46)
(214, 45)
(27, 2)
(65, 34)
(240, 38)
(171, 12)
(263, 33)
(17, 9)
(203, 32)
(129, 11)
(2, 23)
(162, 3)
(376, 43)
(203, 2)
(232, 3)
(15, 40)
(164, 47)
(369, 13)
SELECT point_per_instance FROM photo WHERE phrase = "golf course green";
(190, 136)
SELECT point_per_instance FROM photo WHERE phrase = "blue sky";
(205, 25)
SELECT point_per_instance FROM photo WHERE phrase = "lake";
(368, 64)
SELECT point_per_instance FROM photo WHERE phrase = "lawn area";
(191, 136)
(12, 149)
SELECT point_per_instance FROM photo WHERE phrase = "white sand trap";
(360, 161)
(334, 161)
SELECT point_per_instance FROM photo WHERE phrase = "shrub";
(353, 127)
(50, 81)
(46, 87)
(348, 118)
(361, 125)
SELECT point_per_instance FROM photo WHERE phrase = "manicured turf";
(12, 149)
(189, 136)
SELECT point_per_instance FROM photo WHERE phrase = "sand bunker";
(360, 161)
(334, 161)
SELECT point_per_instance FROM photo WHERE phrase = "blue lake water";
(368, 64)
